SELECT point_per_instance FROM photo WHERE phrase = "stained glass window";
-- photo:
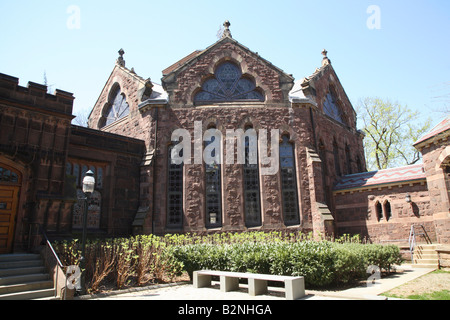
(94, 210)
(289, 183)
(175, 192)
(331, 107)
(7, 175)
(251, 187)
(213, 191)
(228, 85)
(117, 108)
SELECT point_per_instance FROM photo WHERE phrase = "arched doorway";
(10, 180)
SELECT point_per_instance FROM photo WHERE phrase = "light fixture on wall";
(408, 198)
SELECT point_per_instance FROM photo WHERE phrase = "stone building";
(227, 87)
(42, 161)
(260, 151)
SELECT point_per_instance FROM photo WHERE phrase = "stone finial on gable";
(226, 31)
(325, 59)
(120, 60)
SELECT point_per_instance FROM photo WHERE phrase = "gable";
(186, 78)
(324, 87)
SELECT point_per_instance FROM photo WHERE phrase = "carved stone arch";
(108, 115)
(240, 64)
(249, 121)
(212, 121)
(443, 159)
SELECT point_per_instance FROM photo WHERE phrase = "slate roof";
(442, 126)
(382, 177)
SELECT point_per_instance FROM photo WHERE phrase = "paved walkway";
(185, 291)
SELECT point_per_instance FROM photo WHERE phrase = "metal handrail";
(412, 239)
(412, 242)
(54, 255)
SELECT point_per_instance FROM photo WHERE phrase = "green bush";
(152, 258)
(322, 263)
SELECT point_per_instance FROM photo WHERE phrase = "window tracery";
(117, 108)
(175, 191)
(7, 175)
(331, 107)
(213, 190)
(251, 185)
(289, 182)
(228, 84)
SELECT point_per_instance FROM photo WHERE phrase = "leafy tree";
(391, 129)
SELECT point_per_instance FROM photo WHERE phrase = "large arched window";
(289, 182)
(251, 180)
(331, 107)
(116, 108)
(213, 187)
(174, 191)
(228, 84)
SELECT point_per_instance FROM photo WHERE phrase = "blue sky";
(406, 60)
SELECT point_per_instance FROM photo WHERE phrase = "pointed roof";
(438, 130)
(226, 37)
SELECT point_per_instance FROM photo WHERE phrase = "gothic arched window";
(251, 181)
(116, 108)
(289, 182)
(213, 187)
(174, 191)
(387, 210)
(379, 211)
(227, 85)
(331, 107)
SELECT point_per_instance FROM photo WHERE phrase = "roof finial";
(226, 31)
(120, 60)
(325, 59)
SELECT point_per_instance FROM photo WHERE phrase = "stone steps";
(425, 256)
(24, 277)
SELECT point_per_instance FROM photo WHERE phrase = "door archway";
(10, 180)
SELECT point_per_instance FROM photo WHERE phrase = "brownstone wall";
(134, 125)
(121, 158)
(34, 135)
(183, 83)
(356, 212)
(436, 159)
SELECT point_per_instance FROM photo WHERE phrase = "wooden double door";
(9, 197)
(8, 208)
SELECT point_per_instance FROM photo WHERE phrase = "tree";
(391, 129)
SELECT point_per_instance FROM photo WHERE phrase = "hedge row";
(155, 259)
(321, 263)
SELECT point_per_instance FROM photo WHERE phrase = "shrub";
(152, 258)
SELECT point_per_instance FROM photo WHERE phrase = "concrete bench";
(257, 283)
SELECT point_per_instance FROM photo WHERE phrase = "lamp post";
(408, 198)
(88, 188)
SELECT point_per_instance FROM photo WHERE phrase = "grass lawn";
(432, 286)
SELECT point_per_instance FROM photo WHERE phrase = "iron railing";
(412, 238)
(51, 259)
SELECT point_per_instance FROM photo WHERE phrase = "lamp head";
(88, 182)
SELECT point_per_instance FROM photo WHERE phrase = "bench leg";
(295, 288)
(257, 287)
(201, 280)
(228, 283)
